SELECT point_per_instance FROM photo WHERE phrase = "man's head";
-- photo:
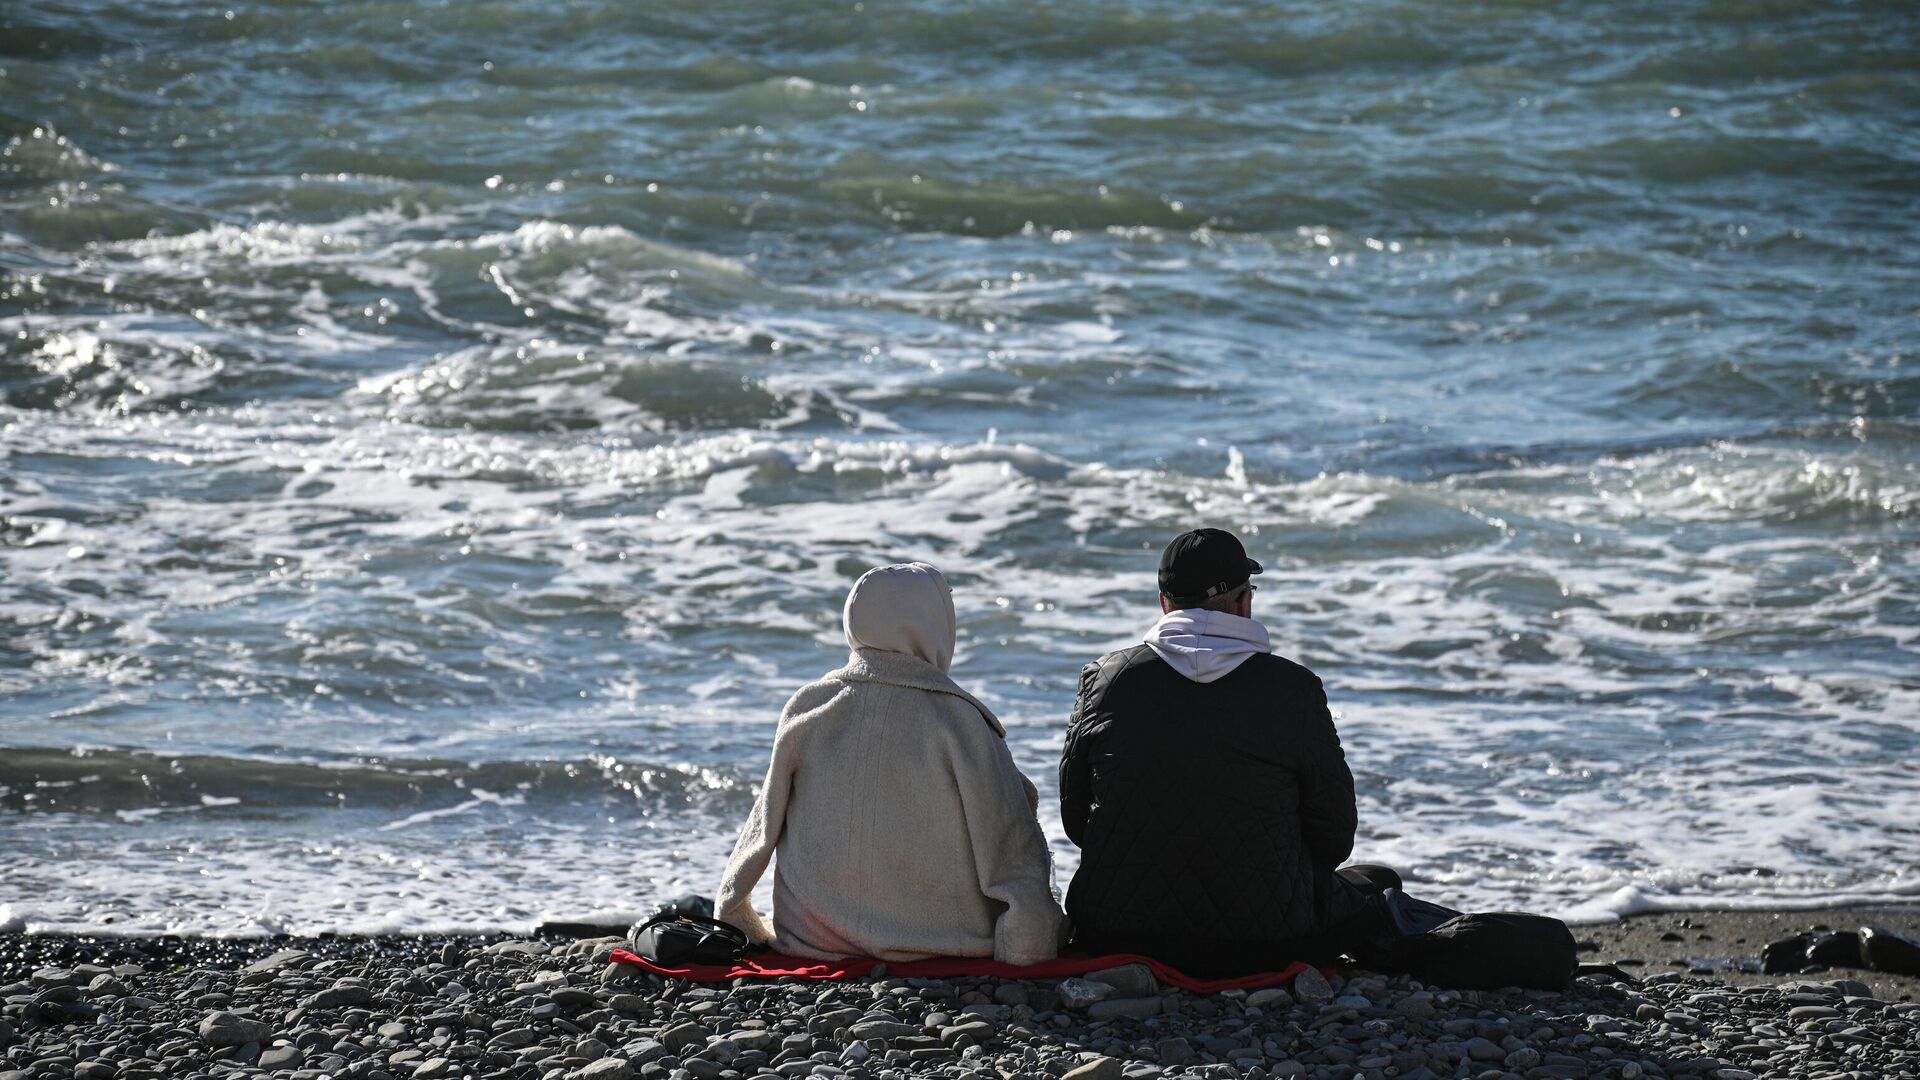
(1207, 568)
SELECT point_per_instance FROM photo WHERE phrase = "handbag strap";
(709, 929)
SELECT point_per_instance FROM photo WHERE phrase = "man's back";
(1210, 815)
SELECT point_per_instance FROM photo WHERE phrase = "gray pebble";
(223, 1029)
(513, 1039)
(1129, 980)
(1417, 1006)
(882, 1029)
(832, 1020)
(1100, 1068)
(1274, 996)
(518, 948)
(1310, 985)
(752, 1039)
(682, 1036)
(106, 986)
(285, 958)
(1174, 1052)
(979, 1031)
(1480, 1049)
(1117, 1008)
(338, 997)
(645, 1051)
(1080, 993)
(607, 1068)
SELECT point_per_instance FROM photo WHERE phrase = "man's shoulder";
(1122, 658)
(1273, 665)
(1115, 664)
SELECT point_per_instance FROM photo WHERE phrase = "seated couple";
(1202, 780)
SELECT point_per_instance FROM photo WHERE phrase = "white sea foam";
(618, 511)
(1521, 707)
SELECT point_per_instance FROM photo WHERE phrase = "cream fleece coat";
(902, 827)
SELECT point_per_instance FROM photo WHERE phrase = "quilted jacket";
(1210, 816)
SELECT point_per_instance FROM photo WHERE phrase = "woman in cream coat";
(901, 826)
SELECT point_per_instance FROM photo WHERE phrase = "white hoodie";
(1206, 645)
(896, 822)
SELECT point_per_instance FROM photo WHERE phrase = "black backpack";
(1480, 951)
(673, 939)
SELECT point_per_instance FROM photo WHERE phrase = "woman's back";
(902, 827)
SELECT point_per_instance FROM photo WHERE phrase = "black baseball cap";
(1202, 564)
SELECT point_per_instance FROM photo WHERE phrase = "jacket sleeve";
(1010, 853)
(1327, 814)
(752, 853)
(1076, 777)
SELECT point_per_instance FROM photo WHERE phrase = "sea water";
(435, 438)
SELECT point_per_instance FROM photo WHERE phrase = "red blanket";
(774, 965)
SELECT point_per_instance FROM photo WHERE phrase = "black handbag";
(1478, 951)
(673, 939)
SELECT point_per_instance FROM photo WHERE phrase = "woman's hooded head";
(905, 608)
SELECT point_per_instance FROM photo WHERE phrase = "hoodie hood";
(1206, 645)
(905, 608)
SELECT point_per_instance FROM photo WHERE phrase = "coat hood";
(904, 608)
(1206, 645)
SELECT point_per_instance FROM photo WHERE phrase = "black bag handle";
(1606, 971)
(709, 927)
(719, 941)
(1411, 916)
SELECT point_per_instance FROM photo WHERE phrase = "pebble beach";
(529, 1008)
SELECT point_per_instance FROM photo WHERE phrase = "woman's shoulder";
(815, 696)
(962, 717)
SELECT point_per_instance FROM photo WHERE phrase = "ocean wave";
(458, 406)
(434, 548)
(985, 207)
(136, 785)
(554, 388)
(146, 364)
(43, 154)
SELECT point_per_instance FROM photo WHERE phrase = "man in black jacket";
(1206, 788)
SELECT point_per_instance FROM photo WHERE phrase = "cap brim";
(1252, 567)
